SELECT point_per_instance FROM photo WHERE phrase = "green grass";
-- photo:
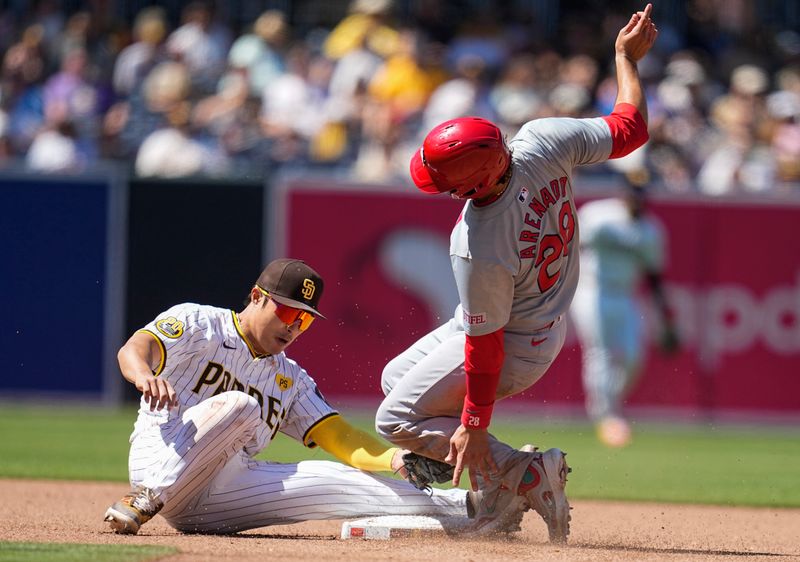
(64, 552)
(755, 466)
(65, 443)
(691, 464)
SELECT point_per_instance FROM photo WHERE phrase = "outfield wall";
(88, 259)
(62, 250)
(733, 282)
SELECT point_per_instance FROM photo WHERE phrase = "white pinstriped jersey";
(204, 353)
(515, 261)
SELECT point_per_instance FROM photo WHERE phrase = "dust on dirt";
(59, 511)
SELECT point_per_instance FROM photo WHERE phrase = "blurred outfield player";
(514, 253)
(620, 244)
(216, 389)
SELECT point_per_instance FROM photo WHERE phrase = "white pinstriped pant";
(196, 466)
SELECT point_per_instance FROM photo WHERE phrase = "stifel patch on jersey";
(474, 319)
(170, 327)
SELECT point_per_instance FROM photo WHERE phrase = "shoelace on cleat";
(140, 501)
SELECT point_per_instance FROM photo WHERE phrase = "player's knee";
(241, 405)
(387, 424)
(391, 373)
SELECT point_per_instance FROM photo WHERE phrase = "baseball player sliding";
(514, 253)
(216, 388)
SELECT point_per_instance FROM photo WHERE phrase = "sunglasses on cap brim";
(289, 315)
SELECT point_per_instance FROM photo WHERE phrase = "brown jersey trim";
(161, 347)
(311, 444)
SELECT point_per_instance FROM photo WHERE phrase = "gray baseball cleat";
(534, 480)
(543, 484)
(494, 510)
(135, 509)
(497, 507)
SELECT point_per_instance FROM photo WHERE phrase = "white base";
(397, 526)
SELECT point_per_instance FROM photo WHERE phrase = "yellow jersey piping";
(161, 348)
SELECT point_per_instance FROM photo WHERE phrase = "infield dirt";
(45, 511)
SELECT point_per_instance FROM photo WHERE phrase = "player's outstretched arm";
(137, 358)
(633, 42)
(355, 447)
(628, 121)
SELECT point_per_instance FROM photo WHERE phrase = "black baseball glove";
(422, 471)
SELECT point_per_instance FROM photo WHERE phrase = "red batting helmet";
(464, 156)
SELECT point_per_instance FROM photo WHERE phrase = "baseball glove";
(669, 341)
(422, 471)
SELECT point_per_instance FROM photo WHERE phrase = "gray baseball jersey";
(516, 267)
(516, 260)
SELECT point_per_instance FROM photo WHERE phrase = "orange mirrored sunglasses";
(289, 315)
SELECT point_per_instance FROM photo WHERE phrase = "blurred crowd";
(354, 99)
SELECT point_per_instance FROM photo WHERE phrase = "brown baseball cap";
(293, 283)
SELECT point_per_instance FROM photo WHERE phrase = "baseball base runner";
(514, 254)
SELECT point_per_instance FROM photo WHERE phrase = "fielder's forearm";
(351, 445)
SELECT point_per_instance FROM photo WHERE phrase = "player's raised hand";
(638, 35)
(469, 448)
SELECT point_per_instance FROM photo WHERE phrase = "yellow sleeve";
(351, 445)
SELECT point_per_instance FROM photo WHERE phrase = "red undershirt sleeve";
(628, 129)
(483, 360)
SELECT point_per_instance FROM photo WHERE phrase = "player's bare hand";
(469, 448)
(638, 35)
(398, 466)
(158, 393)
